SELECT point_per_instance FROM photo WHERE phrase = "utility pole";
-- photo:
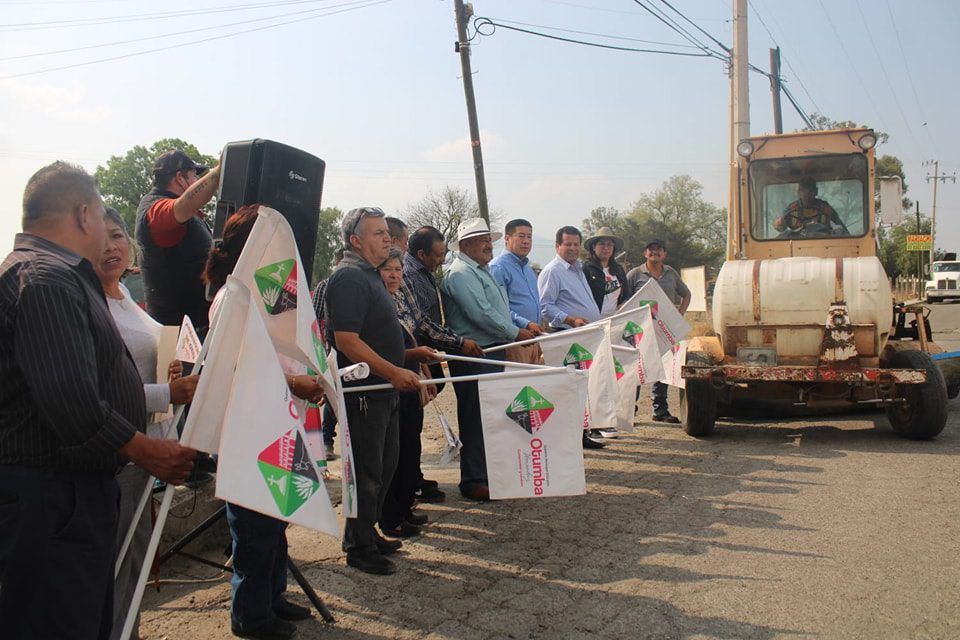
(775, 89)
(919, 253)
(463, 14)
(739, 121)
(936, 177)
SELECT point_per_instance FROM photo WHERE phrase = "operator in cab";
(809, 215)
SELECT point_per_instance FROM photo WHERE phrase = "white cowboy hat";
(472, 227)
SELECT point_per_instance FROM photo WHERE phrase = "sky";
(373, 87)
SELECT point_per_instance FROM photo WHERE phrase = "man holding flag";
(669, 280)
(363, 327)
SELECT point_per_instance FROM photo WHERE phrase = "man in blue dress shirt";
(512, 270)
(566, 301)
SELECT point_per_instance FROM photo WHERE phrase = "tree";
(601, 217)
(823, 123)
(445, 211)
(897, 261)
(328, 241)
(125, 179)
(891, 166)
(694, 230)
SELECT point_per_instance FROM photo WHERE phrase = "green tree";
(823, 123)
(445, 210)
(125, 179)
(602, 217)
(897, 261)
(694, 230)
(328, 241)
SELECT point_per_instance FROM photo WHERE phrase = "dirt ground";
(830, 527)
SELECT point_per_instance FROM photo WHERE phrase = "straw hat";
(601, 233)
(471, 228)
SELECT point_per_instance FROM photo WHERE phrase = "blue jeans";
(259, 566)
(660, 408)
(328, 423)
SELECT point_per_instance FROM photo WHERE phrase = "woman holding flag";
(258, 608)
(141, 335)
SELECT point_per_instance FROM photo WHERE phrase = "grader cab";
(802, 308)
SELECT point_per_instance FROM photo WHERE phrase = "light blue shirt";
(564, 292)
(475, 304)
(516, 276)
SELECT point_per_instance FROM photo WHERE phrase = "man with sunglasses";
(175, 239)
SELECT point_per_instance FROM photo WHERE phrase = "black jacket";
(597, 280)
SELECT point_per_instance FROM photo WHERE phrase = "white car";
(945, 284)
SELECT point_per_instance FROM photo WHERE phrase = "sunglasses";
(366, 212)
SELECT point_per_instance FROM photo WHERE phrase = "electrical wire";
(138, 17)
(886, 76)
(662, 17)
(479, 23)
(169, 35)
(698, 28)
(913, 87)
(599, 35)
(863, 85)
(192, 42)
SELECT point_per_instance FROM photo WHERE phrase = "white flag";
(205, 419)
(668, 321)
(532, 434)
(626, 361)
(188, 343)
(673, 360)
(270, 266)
(265, 463)
(588, 348)
(635, 328)
(348, 476)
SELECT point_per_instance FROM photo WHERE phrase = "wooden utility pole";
(739, 121)
(775, 89)
(463, 14)
(936, 177)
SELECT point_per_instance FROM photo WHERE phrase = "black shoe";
(433, 484)
(276, 629)
(669, 419)
(291, 612)
(369, 561)
(418, 518)
(404, 530)
(590, 442)
(387, 547)
(430, 494)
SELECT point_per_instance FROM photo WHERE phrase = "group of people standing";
(79, 360)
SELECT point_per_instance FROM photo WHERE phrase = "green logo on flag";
(654, 307)
(632, 334)
(529, 410)
(578, 356)
(286, 468)
(618, 367)
(277, 284)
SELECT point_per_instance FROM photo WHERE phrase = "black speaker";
(280, 177)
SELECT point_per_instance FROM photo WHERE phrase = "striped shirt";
(71, 395)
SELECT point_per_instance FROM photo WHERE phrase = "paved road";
(812, 528)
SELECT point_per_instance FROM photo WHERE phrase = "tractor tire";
(698, 402)
(924, 414)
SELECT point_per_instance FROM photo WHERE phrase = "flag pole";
(547, 336)
(474, 378)
(499, 363)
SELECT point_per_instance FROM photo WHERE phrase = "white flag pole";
(499, 363)
(164, 505)
(547, 336)
(473, 378)
(617, 347)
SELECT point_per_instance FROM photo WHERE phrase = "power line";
(913, 88)
(697, 27)
(672, 24)
(886, 76)
(138, 17)
(167, 35)
(479, 23)
(599, 35)
(863, 85)
(183, 44)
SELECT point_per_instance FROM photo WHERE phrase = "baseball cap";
(169, 162)
(656, 242)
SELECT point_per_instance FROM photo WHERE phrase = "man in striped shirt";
(72, 410)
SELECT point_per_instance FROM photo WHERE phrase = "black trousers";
(406, 479)
(58, 545)
(373, 422)
(473, 461)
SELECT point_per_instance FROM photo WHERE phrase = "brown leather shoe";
(478, 492)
